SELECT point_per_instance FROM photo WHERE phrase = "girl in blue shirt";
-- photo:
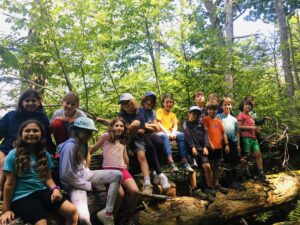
(29, 190)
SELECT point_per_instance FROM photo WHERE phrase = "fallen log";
(284, 187)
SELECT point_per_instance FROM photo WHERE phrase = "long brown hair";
(23, 160)
(81, 149)
(111, 136)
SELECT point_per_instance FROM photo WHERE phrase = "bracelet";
(55, 187)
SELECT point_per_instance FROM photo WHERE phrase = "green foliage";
(263, 217)
(8, 59)
(294, 215)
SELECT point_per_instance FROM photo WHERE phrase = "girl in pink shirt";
(115, 156)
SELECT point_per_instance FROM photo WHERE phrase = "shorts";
(33, 207)
(125, 172)
(202, 159)
(137, 144)
(232, 157)
(250, 145)
(215, 156)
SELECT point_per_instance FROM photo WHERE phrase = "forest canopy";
(103, 48)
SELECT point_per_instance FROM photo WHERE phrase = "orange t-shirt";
(215, 130)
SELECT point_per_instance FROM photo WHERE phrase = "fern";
(294, 215)
(263, 217)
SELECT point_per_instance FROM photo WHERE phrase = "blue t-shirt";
(149, 115)
(30, 181)
(231, 126)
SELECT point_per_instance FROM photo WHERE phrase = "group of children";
(26, 147)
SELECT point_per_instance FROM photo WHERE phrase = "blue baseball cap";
(150, 93)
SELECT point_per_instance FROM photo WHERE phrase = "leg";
(79, 199)
(193, 180)
(151, 154)
(41, 222)
(141, 156)
(113, 178)
(167, 147)
(208, 174)
(69, 212)
(133, 194)
(182, 146)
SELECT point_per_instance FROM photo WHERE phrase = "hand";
(227, 149)
(205, 151)
(7, 217)
(194, 151)
(56, 195)
(172, 137)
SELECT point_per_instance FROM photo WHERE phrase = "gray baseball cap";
(125, 97)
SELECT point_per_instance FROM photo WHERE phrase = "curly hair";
(23, 160)
(26, 94)
(111, 136)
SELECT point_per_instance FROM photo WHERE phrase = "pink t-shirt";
(113, 153)
(247, 120)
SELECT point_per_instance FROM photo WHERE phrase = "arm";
(96, 146)
(103, 121)
(9, 188)
(239, 143)
(163, 129)
(126, 158)
(56, 194)
(227, 149)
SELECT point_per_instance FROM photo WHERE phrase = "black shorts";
(233, 156)
(202, 159)
(215, 156)
(33, 207)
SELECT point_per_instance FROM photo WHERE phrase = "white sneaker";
(147, 189)
(156, 179)
(105, 219)
(164, 181)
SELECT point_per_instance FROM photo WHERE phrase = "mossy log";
(284, 187)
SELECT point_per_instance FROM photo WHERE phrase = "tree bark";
(279, 8)
(284, 187)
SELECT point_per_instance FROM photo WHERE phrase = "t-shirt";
(30, 181)
(247, 120)
(129, 118)
(167, 119)
(149, 115)
(215, 131)
(113, 153)
(61, 113)
(231, 126)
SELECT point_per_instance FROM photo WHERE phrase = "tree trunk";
(229, 42)
(284, 48)
(284, 187)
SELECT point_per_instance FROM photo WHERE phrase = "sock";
(147, 180)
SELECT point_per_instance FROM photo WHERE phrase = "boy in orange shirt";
(217, 135)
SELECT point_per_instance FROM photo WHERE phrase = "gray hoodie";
(71, 174)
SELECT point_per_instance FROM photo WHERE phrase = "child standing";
(248, 129)
(217, 135)
(63, 118)
(29, 190)
(168, 125)
(78, 179)
(232, 131)
(197, 141)
(115, 157)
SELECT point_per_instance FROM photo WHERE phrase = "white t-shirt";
(61, 113)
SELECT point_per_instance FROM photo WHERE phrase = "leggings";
(154, 151)
(100, 177)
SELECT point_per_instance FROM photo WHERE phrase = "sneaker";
(164, 181)
(105, 219)
(262, 178)
(221, 189)
(197, 193)
(173, 167)
(237, 186)
(156, 179)
(210, 193)
(147, 189)
(187, 167)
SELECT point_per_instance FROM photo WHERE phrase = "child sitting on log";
(197, 142)
(63, 118)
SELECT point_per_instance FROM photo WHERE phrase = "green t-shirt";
(30, 181)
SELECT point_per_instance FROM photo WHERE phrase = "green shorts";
(250, 145)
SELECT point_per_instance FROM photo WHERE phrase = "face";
(212, 112)
(118, 128)
(168, 104)
(85, 135)
(226, 107)
(69, 107)
(31, 104)
(199, 99)
(31, 134)
(247, 108)
(149, 102)
(125, 105)
(194, 116)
